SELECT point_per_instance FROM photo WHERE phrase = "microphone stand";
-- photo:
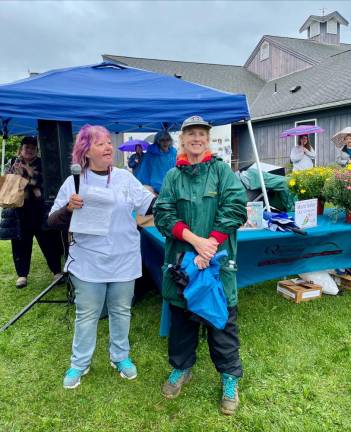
(75, 170)
(38, 300)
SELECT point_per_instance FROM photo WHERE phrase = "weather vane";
(323, 10)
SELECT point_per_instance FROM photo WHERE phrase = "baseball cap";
(195, 121)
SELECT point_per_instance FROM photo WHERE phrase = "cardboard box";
(342, 281)
(298, 290)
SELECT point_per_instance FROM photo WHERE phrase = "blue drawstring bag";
(204, 292)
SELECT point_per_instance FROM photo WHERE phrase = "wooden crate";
(299, 291)
(342, 281)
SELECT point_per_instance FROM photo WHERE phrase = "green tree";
(12, 146)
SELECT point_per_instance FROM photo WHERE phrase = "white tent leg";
(254, 148)
(3, 156)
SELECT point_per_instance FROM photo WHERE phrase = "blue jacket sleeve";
(143, 173)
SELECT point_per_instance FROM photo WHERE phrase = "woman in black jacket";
(20, 225)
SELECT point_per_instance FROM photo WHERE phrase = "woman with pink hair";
(102, 267)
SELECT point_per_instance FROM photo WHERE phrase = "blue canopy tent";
(121, 98)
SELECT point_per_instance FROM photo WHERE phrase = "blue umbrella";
(130, 145)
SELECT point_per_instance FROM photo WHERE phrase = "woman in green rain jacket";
(199, 208)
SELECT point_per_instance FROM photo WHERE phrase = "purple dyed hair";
(87, 136)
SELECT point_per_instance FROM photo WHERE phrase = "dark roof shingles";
(233, 79)
(326, 83)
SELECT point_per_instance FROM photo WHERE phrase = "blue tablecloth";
(264, 255)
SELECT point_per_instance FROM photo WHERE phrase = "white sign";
(254, 215)
(220, 143)
(306, 213)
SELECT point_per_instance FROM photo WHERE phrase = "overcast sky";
(40, 35)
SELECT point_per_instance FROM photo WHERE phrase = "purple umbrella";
(130, 145)
(301, 130)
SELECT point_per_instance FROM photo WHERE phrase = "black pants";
(223, 344)
(50, 245)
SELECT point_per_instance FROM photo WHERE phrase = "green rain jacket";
(206, 196)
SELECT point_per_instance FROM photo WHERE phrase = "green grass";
(296, 360)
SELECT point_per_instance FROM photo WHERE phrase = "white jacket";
(302, 158)
(343, 157)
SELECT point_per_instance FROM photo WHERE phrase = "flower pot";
(348, 216)
(320, 206)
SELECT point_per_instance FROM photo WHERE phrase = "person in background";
(302, 155)
(102, 267)
(135, 159)
(20, 225)
(344, 156)
(159, 158)
(201, 205)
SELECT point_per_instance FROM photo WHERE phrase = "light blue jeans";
(90, 299)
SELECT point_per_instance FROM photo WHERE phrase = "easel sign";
(306, 213)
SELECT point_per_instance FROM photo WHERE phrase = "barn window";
(315, 29)
(332, 27)
(264, 51)
(313, 138)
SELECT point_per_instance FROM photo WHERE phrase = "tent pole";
(5, 134)
(254, 148)
(3, 156)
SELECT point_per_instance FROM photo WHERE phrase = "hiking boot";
(72, 377)
(21, 282)
(172, 387)
(126, 368)
(230, 397)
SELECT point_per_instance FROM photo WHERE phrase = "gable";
(271, 61)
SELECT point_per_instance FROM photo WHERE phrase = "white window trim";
(314, 120)
(264, 52)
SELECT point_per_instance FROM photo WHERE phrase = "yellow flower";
(292, 182)
(302, 191)
(349, 167)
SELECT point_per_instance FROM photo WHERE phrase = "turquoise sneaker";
(230, 397)
(72, 377)
(172, 387)
(126, 368)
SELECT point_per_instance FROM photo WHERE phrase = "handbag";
(12, 190)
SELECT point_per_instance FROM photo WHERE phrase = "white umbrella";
(338, 138)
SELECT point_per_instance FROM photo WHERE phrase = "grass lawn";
(296, 360)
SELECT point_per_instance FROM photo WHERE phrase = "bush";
(337, 188)
(309, 183)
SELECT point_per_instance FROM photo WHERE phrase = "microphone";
(76, 169)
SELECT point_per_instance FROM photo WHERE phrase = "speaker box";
(55, 142)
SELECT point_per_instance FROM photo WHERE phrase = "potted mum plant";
(337, 190)
(309, 183)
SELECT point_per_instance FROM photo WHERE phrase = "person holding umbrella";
(302, 155)
(200, 207)
(136, 158)
(342, 140)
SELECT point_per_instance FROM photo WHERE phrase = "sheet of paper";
(306, 213)
(95, 216)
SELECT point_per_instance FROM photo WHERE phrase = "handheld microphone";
(76, 169)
